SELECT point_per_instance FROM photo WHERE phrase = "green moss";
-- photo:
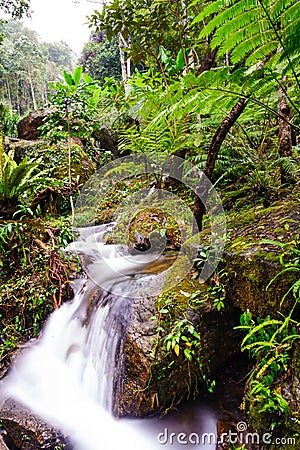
(55, 160)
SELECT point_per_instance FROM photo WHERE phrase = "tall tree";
(26, 66)
(145, 27)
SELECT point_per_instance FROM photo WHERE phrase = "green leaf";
(77, 75)
(162, 232)
(258, 328)
(187, 354)
(163, 54)
(86, 78)
(68, 78)
(180, 60)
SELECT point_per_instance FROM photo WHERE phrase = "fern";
(16, 180)
(255, 30)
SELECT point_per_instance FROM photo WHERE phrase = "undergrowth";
(34, 273)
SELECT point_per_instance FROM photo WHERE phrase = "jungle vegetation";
(216, 82)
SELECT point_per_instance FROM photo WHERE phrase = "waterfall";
(68, 375)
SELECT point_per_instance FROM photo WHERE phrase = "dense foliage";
(215, 82)
(16, 8)
(100, 58)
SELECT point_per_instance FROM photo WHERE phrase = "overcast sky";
(62, 20)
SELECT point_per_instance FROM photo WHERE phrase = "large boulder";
(28, 127)
(152, 379)
(107, 139)
(252, 260)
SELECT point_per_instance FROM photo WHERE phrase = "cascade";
(67, 376)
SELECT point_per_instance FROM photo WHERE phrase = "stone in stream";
(148, 384)
(27, 431)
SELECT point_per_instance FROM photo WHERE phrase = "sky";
(62, 20)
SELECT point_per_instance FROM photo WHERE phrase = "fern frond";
(226, 15)
(261, 52)
(207, 11)
(250, 45)
(278, 6)
(21, 175)
(254, 29)
(237, 29)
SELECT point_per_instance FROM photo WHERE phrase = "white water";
(67, 376)
(59, 380)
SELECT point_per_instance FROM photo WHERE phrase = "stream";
(67, 375)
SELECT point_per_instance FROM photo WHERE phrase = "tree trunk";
(32, 91)
(217, 141)
(285, 135)
(122, 44)
(9, 96)
(208, 60)
(18, 102)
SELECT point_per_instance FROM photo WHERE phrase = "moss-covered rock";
(259, 248)
(155, 377)
(257, 238)
(54, 158)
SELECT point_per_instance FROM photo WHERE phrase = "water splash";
(67, 376)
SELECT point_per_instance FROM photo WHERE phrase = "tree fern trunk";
(208, 60)
(217, 141)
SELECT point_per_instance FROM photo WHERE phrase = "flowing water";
(67, 376)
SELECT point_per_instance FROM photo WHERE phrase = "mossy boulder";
(54, 158)
(155, 378)
(257, 239)
(28, 127)
(257, 252)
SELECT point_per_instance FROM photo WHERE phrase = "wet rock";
(252, 257)
(142, 243)
(248, 282)
(151, 380)
(28, 432)
(28, 127)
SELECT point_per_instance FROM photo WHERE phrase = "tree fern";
(254, 30)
